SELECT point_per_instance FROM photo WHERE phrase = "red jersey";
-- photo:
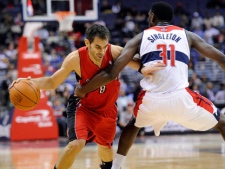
(104, 97)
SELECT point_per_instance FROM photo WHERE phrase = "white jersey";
(166, 44)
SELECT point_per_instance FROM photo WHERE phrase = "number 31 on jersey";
(163, 53)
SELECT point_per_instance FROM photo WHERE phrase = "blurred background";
(37, 35)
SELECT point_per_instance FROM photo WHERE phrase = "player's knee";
(76, 144)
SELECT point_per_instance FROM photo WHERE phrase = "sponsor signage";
(38, 123)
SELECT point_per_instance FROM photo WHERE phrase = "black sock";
(106, 165)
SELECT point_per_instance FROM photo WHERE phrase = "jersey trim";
(201, 101)
(148, 57)
(165, 28)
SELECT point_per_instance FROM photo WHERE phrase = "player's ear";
(87, 43)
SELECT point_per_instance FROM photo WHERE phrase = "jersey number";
(102, 89)
(163, 53)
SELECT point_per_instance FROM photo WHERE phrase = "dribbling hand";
(17, 80)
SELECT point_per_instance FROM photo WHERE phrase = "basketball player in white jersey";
(165, 95)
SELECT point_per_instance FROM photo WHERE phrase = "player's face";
(98, 48)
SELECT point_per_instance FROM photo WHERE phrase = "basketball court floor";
(186, 151)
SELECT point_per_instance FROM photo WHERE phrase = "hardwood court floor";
(192, 151)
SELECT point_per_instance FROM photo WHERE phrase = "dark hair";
(97, 30)
(163, 11)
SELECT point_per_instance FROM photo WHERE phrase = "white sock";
(118, 161)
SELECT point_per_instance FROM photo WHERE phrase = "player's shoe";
(107, 165)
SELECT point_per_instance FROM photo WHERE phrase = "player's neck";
(162, 23)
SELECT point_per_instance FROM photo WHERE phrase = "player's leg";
(69, 154)
(126, 140)
(106, 154)
(75, 145)
(199, 113)
(105, 131)
(127, 136)
(220, 126)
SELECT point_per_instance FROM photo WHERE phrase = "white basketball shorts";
(184, 107)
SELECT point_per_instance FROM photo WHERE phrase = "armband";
(139, 70)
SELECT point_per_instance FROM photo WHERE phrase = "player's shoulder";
(116, 51)
(72, 59)
(116, 47)
(73, 55)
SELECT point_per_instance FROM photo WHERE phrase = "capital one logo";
(34, 68)
(31, 56)
(41, 117)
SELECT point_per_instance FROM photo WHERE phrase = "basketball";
(24, 95)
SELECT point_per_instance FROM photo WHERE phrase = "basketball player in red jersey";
(165, 94)
(96, 114)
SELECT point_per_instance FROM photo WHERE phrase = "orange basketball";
(24, 95)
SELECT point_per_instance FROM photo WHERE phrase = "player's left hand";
(78, 92)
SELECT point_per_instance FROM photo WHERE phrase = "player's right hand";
(151, 68)
(17, 80)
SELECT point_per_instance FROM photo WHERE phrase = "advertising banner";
(38, 123)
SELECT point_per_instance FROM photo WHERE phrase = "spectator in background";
(123, 98)
(185, 22)
(208, 93)
(220, 96)
(105, 7)
(12, 71)
(42, 33)
(141, 18)
(11, 52)
(195, 88)
(196, 80)
(190, 69)
(58, 111)
(207, 20)
(48, 68)
(210, 33)
(199, 31)
(125, 115)
(54, 58)
(5, 92)
(196, 21)
(4, 61)
(218, 20)
(117, 7)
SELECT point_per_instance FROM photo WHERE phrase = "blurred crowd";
(124, 21)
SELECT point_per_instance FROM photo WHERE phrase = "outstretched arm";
(205, 49)
(70, 64)
(111, 72)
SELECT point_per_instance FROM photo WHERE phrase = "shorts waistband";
(165, 95)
